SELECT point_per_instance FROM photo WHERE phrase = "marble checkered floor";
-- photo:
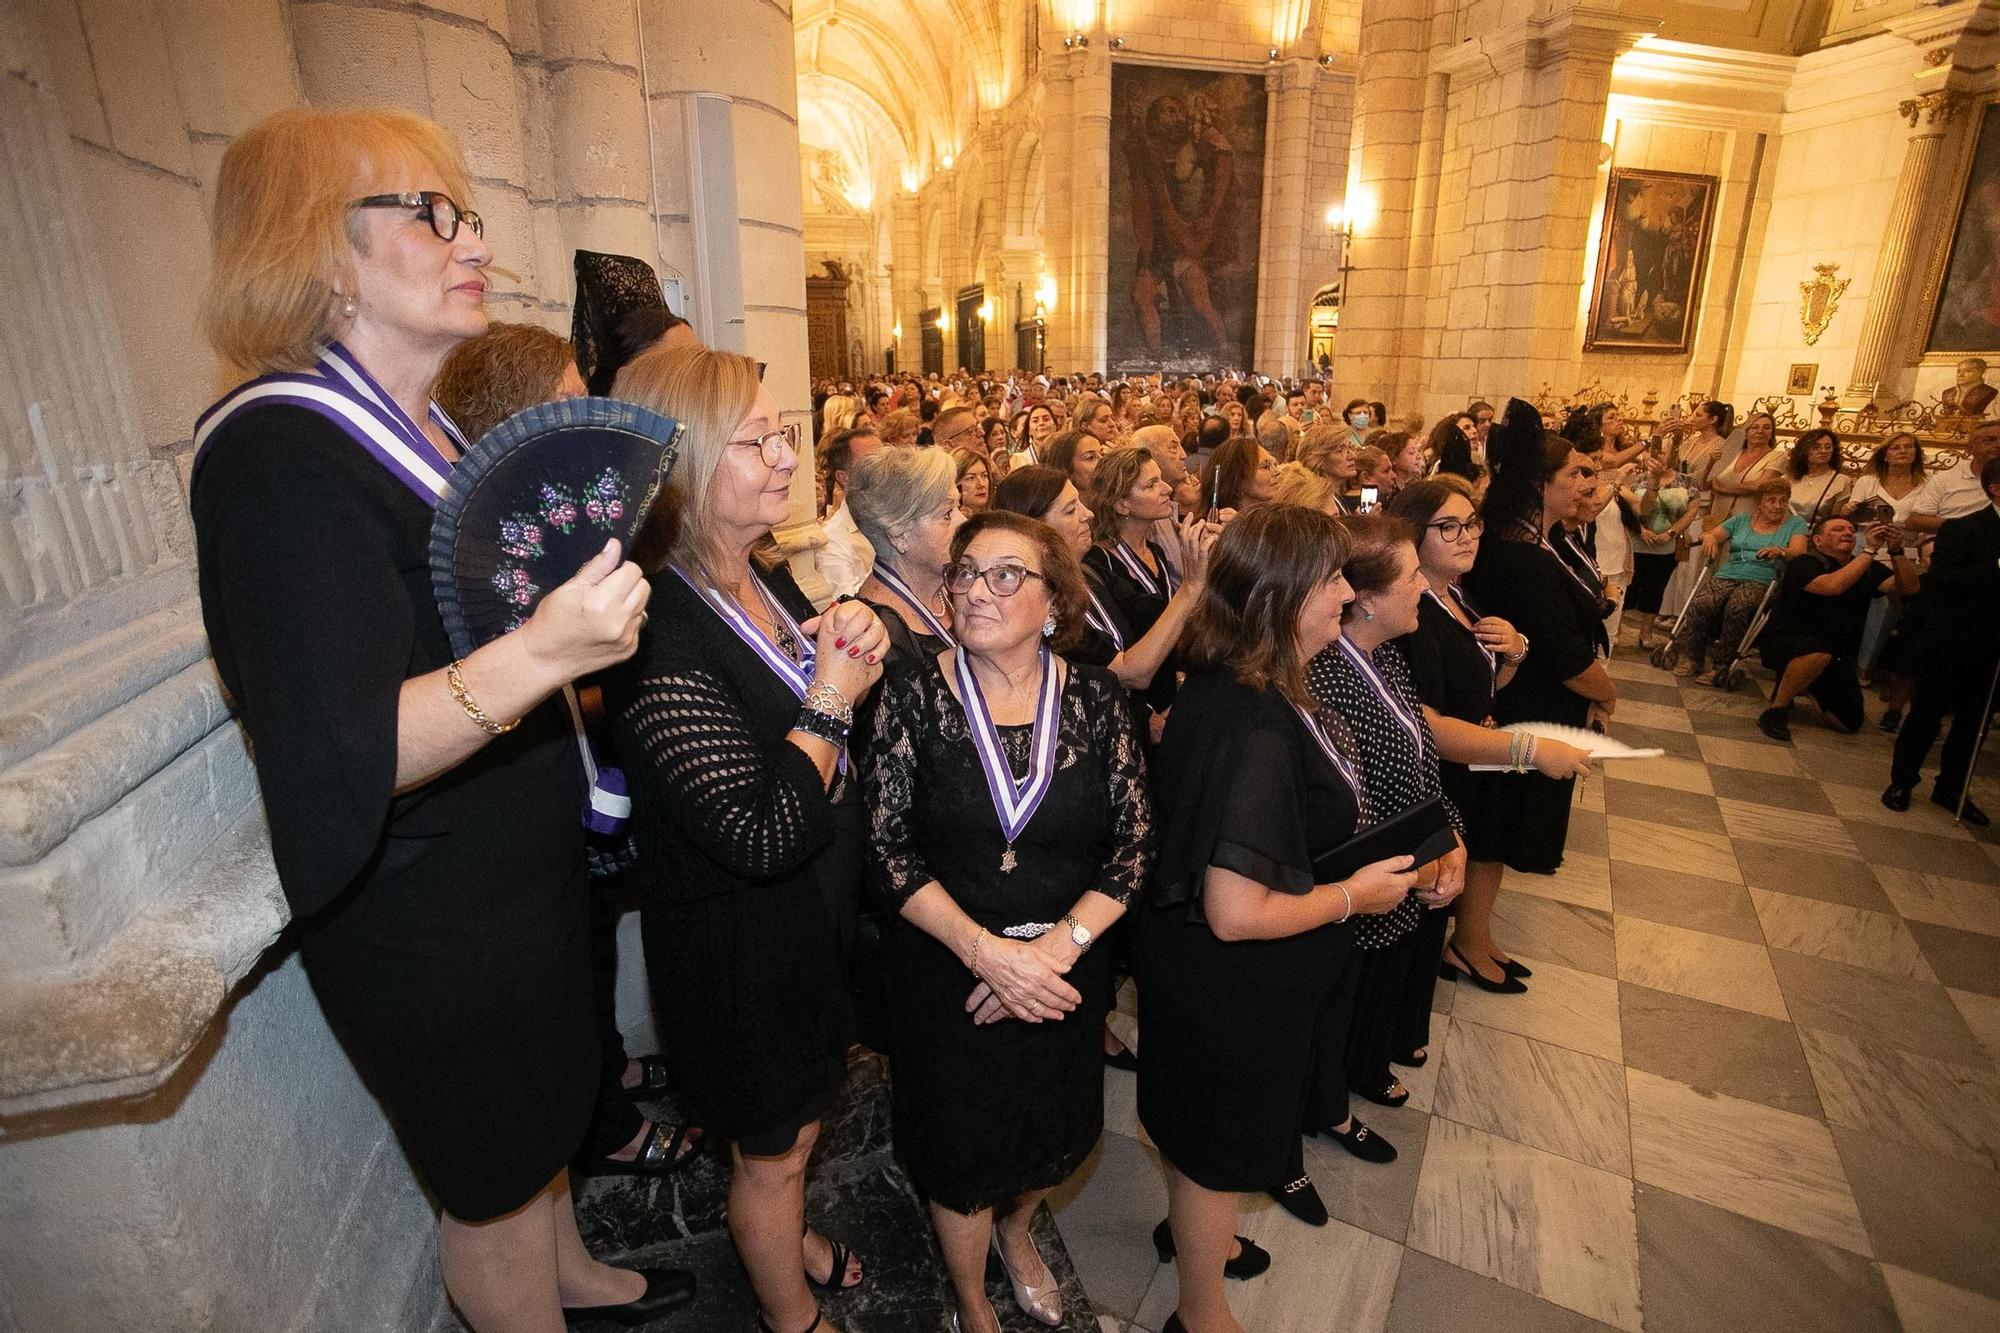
(1754, 1083)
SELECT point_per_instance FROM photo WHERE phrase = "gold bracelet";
(972, 959)
(472, 710)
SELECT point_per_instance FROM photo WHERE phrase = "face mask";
(1358, 420)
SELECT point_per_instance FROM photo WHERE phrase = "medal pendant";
(1007, 862)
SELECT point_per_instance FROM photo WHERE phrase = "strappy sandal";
(653, 1083)
(838, 1270)
(819, 1317)
(659, 1154)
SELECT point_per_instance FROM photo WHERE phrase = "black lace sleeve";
(896, 866)
(1130, 860)
(759, 810)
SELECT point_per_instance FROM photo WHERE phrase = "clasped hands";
(1024, 979)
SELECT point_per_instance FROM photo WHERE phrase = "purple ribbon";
(1014, 800)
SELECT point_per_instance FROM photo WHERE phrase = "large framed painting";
(1187, 189)
(1649, 261)
(1965, 317)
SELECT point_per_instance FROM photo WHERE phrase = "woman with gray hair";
(905, 501)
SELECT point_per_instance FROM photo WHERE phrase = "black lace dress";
(984, 1113)
(745, 864)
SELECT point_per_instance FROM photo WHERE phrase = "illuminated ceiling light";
(896, 329)
(946, 161)
(986, 312)
(944, 321)
(1045, 292)
(910, 179)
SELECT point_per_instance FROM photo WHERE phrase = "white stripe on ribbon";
(1331, 751)
(1100, 619)
(938, 629)
(1380, 688)
(1136, 567)
(795, 675)
(1492, 659)
(1014, 800)
(424, 475)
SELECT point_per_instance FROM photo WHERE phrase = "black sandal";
(1411, 1060)
(653, 1083)
(659, 1154)
(819, 1317)
(1465, 971)
(834, 1274)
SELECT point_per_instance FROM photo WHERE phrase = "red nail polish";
(840, 643)
(871, 659)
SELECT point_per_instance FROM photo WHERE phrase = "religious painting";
(1966, 318)
(1649, 261)
(1187, 188)
(1801, 378)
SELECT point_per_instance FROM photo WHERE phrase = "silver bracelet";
(1341, 884)
(821, 697)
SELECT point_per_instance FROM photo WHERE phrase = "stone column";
(1060, 204)
(1281, 302)
(906, 263)
(1388, 111)
(1090, 217)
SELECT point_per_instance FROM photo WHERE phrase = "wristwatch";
(1079, 934)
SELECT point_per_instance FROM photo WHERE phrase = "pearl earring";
(1049, 626)
(348, 307)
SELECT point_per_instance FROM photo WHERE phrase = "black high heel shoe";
(1173, 1324)
(819, 1317)
(1514, 969)
(666, 1289)
(1252, 1261)
(1464, 971)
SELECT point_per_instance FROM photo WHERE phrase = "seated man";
(1815, 633)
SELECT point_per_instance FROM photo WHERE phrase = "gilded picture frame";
(1651, 255)
(1957, 324)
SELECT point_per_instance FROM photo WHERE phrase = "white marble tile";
(1297, 1292)
(1731, 972)
(1878, 941)
(1753, 755)
(1562, 1006)
(1545, 1096)
(1755, 1160)
(1788, 828)
(1864, 804)
(1534, 1220)
(1962, 904)
(1668, 771)
(1660, 717)
(1926, 1305)
(1982, 1015)
(1664, 847)
(1583, 879)
(1940, 1105)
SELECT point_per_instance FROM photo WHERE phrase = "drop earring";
(1049, 626)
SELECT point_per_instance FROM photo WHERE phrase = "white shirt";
(1869, 487)
(1951, 494)
(845, 561)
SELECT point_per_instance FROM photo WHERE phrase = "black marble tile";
(1716, 1049)
(1663, 805)
(1939, 1216)
(1681, 744)
(1728, 726)
(1740, 784)
(1648, 692)
(1914, 849)
(1962, 959)
(1827, 876)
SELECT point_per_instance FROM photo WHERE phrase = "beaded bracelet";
(472, 710)
(823, 725)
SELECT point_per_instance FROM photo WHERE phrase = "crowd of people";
(1094, 679)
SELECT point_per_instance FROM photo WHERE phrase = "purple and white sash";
(1144, 577)
(1098, 617)
(1332, 752)
(1570, 569)
(1410, 723)
(1014, 800)
(345, 393)
(936, 628)
(1492, 659)
(796, 676)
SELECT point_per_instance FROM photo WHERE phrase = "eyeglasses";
(438, 208)
(1001, 580)
(1451, 529)
(771, 445)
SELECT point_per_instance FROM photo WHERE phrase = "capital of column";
(1934, 108)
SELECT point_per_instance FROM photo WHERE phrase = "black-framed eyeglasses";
(771, 445)
(1001, 580)
(1451, 529)
(435, 207)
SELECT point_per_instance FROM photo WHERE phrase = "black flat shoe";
(1892, 720)
(1973, 814)
(660, 1153)
(1362, 1141)
(1773, 723)
(1896, 798)
(1507, 985)
(1411, 1060)
(666, 1289)
(1173, 1324)
(1302, 1201)
(1384, 1097)
(653, 1080)
(1252, 1261)
(1123, 1058)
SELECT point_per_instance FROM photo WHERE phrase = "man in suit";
(1957, 655)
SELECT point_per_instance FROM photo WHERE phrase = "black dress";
(746, 867)
(445, 930)
(1453, 676)
(1239, 783)
(1138, 608)
(987, 1112)
(1526, 815)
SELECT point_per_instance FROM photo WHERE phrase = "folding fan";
(535, 500)
(1595, 743)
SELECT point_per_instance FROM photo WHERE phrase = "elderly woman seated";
(1744, 549)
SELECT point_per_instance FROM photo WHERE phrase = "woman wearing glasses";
(733, 722)
(1010, 829)
(423, 811)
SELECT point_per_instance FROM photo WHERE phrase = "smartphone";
(1369, 496)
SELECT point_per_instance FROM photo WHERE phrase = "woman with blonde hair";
(432, 858)
(733, 721)
(1298, 484)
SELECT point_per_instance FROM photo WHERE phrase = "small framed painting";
(1802, 377)
(1650, 260)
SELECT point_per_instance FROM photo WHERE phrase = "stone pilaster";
(1281, 298)
(906, 263)
(1090, 185)
(1060, 215)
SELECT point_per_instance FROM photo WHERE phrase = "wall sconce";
(1045, 293)
(1273, 53)
(1326, 61)
(985, 312)
(1076, 41)
(944, 321)
(1118, 43)
(946, 161)
(896, 329)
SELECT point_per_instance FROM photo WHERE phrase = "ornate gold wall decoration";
(1818, 300)
(1937, 107)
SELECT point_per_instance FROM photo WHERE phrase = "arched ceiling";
(893, 85)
